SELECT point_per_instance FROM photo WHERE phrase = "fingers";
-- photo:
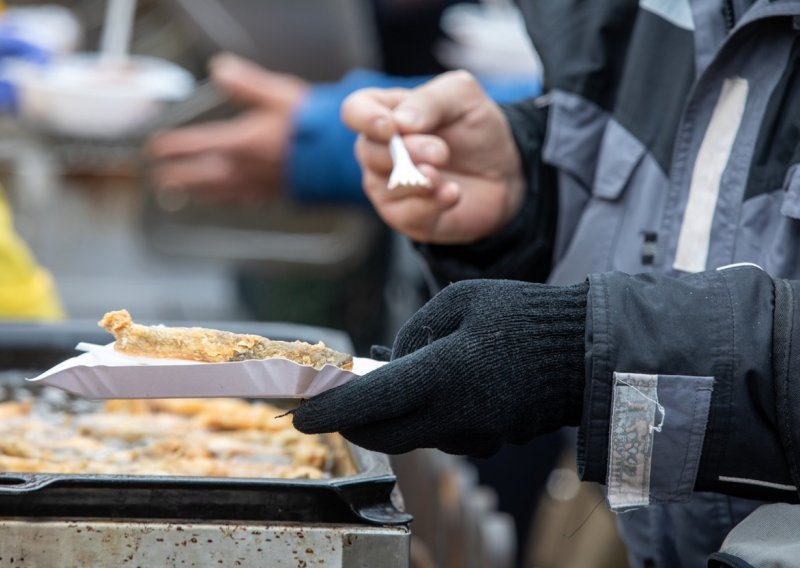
(422, 148)
(412, 209)
(197, 158)
(377, 113)
(380, 395)
(208, 137)
(401, 435)
(438, 319)
(380, 352)
(368, 111)
(252, 85)
(196, 172)
(438, 103)
(395, 436)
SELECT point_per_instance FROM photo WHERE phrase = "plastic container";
(80, 96)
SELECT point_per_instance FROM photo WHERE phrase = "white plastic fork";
(404, 172)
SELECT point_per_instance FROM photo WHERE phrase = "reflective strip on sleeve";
(715, 150)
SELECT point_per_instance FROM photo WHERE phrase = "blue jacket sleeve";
(321, 165)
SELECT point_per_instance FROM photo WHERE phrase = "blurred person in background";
(26, 289)
(656, 189)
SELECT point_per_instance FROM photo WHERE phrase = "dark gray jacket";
(667, 145)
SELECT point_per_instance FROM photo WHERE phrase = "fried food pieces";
(161, 437)
(213, 346)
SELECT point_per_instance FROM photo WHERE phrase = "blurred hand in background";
(238, 159)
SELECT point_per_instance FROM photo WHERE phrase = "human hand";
(461, 141)
(482, 363)
(242, 158)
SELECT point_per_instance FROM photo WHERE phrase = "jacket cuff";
(679, 393)
(786, 362)
(523, 249)
(649, 384)
(512, 253)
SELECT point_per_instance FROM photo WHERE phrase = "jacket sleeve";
(523, 250)
(692, 383)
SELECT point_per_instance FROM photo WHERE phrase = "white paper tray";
(102, 373)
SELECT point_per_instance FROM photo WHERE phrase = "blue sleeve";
(321, 164)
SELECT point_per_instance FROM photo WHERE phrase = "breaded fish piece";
(211, 345)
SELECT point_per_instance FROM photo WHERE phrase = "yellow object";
(26, 290)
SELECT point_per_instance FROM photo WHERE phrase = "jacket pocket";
(620, 153)
(658, 424)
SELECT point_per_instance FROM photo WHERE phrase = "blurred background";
(142, 171)
(84, 199)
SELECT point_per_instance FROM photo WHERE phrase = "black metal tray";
(367, 496)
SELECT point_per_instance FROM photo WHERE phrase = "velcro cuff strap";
(787, 392)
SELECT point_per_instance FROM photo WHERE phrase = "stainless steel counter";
(87, 544)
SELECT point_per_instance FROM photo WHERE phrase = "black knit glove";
(483, 363)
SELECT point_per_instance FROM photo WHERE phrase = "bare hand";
(242, 158)
(461, 141)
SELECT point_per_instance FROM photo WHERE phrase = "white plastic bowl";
(78, 95)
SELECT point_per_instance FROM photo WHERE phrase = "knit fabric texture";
(484, 362)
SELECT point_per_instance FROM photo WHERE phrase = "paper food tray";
(102, 373)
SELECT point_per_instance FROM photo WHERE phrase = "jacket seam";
(728, 372)
(783, 312)
(599, 417)
(692, 431)
(729, 560)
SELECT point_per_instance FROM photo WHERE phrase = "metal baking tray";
(367, 496)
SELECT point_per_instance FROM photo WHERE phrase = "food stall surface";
(351, 518)
(129, 543)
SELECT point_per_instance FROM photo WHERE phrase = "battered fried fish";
(211, 345)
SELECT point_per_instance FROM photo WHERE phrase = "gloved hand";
(12, 48)
(482, 363)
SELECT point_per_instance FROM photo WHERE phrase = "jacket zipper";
(662, 251)
(728, 14)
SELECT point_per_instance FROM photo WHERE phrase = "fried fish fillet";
(211, 345)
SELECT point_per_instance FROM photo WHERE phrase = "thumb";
(252, 85)
(440, 317)
(387, 392)
(438, 103)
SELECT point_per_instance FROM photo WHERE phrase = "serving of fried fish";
(212, 345)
